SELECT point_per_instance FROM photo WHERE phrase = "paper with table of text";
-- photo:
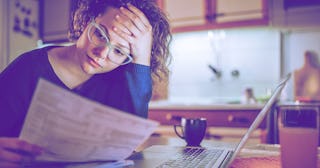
(72, 128)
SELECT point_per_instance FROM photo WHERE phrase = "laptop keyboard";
(193, 158)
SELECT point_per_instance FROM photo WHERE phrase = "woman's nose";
(102, 51)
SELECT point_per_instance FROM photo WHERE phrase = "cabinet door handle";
(210, 18)
(171, 117)
(242, 120)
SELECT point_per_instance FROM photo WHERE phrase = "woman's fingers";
(122, 35)
(118, 24)
(133, 19)
(9, 165)
(141, 16)
(6, 155)
(14, 151)
(19, 145)
(127, 22)
(131, 23)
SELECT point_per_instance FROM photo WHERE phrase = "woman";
(120, 46)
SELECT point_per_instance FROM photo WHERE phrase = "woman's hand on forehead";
(133, 26)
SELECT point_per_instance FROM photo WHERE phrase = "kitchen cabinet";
(194, 15)
(54, 20)
(184, 13)
(295, 13)
(235, 10)
(227, 122)
(241, 118)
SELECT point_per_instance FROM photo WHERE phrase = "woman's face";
(100, 49)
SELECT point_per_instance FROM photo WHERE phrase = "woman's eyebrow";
(105, 29)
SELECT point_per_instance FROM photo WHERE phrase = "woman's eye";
(99, 35)
(119, 52)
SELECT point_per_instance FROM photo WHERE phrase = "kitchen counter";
(217, 113)
(168, 105)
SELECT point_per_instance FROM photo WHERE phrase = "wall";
(23, 26)
(3, 33)
(19, 28)
(255, 53)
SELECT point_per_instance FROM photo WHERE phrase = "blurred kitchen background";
(250, 44)
(220, 49)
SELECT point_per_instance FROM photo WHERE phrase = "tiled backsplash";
(254, 53)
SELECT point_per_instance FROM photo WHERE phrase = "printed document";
(72, 128)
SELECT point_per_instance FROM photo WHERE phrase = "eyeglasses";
(98, 36)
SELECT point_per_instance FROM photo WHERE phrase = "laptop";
(161, 156)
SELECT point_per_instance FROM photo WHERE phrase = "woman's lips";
(93, 62)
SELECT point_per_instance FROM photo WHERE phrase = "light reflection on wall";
(255, 53)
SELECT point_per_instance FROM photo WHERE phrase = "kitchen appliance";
(307, 79)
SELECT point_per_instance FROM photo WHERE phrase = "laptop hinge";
(226, 161)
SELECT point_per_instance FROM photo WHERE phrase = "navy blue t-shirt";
(127, 88)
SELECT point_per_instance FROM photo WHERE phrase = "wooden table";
(253, 155)
(217, 115)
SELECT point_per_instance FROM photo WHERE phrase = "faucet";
(216, 72)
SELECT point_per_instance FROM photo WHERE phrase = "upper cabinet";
(188, 15)
(184, 13)
(295, 13)
(235, 10)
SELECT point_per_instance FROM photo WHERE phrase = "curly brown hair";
(160, 55)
